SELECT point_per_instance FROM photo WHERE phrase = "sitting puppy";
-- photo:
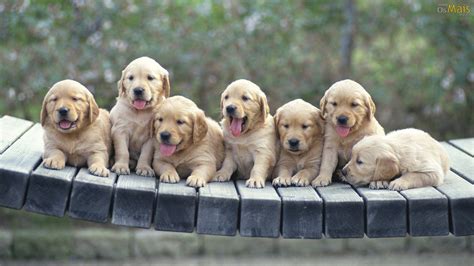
(300, 128)
(249, 134)
(413, 154)
(76, 131)
(143, 86)
(349, 113)
(187, 143)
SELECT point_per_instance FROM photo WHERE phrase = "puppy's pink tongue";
(139, 104)
(236, 126)
(64, 124)
(167, 150)
(343, 131)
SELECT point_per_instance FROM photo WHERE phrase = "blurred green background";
(416, 62)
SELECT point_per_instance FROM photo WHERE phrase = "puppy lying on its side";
(76, 131)
(143, 86)
(249, 134)
(413, 154)
(349, 113)
(301, 129)
(187, 143)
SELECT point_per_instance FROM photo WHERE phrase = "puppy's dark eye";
(358, 161)
(245, 98)
(75, 99)
(160, 119)
(334, 103)
(226, 97)
(53, 99)
(286, 126)
(305, 126)
(354, 104)
(130, 78)
(150, 77)
(179, 122)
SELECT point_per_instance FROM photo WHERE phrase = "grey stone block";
(12, 129)
(343, 211)
(16, 165)
(427, 212)
(6, 240)
(48, 191)
(239, 246)
(260, 211)
(100, 244)
(386, 212)
(460, 195)
(466, 145)
(302, 212)
(175, 207)
(461, 163)
(152, 244)
(218, 209)
(133, 201)
(91, 196)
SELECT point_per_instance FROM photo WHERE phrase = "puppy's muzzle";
(165, 136)
(342, 120)
(138, 92)
(230, 109)
(294, 144)
(63, 111)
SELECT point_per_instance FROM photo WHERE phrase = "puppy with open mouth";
(412, 154)
(76, 131)
(187, 143)
(349, 114)
(143, 86)
(300, 128)
(249, 134)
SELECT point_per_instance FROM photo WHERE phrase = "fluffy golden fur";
(187, 143)
(76, 131)
(348, 111)
(143, 86)
(413, 154)
(300, 128)
(249, 134)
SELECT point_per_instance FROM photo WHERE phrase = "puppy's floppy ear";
(264, 108)
(93, 108)
(370, 105)
(151, 131)
(120, 87)
(199, 127)
(322, 104)
(166, 85)
(276, 118)
(318, 117)
(386, 167)
(44, 111)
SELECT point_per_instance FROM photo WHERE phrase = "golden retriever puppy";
(349, 114)
(76, 131)
(412, 153)
(300, 128)
(143, 86)
(187, 143)
(249, 134)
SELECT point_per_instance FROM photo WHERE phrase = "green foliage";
(415, 62)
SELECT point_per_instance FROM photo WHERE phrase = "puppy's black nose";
(294, 142)
(165, 135)
(342, 120)
(138, 91)
(230, 109)
(63, 111)
(344, 171)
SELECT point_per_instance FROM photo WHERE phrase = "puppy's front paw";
(195, 181)
(378, 184)
(398, 184)
(144, 170)
(321, 181)
(99, 170)
(300, 181)
(121, 168)
(169, 177)
(255, 183)
(282, 181)
(53, 163)
(221, 176)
